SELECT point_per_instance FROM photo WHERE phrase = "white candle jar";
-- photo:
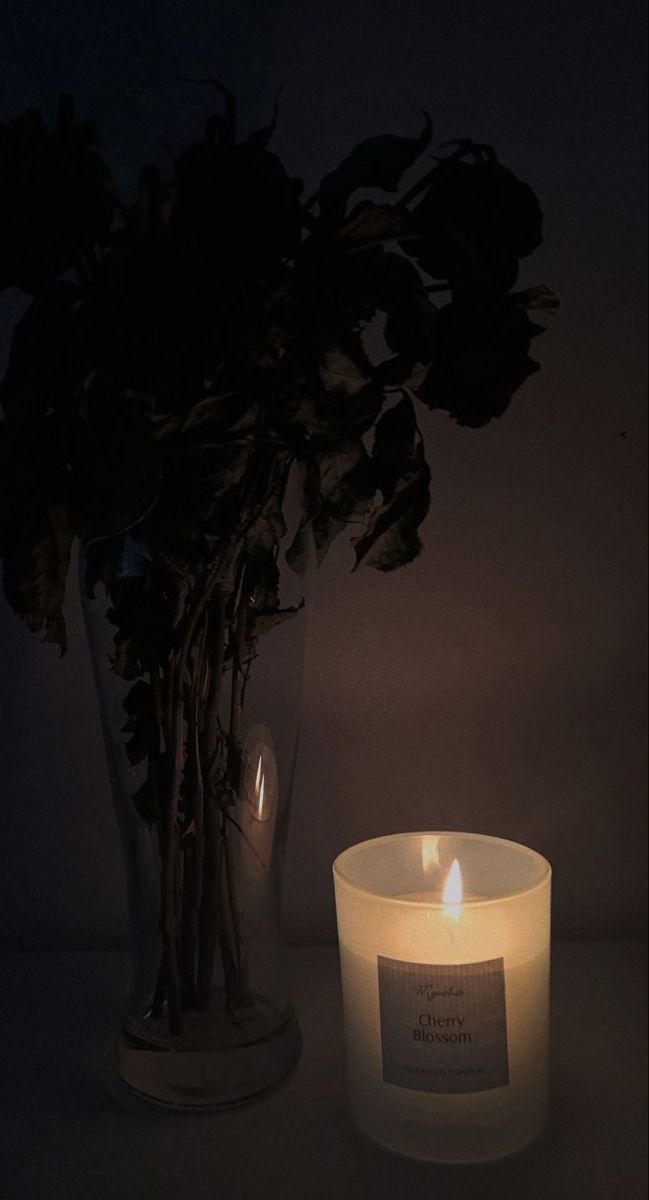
(445, 1004)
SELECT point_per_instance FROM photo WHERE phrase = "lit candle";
(444, 949)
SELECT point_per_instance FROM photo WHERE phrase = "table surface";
(69, 1132)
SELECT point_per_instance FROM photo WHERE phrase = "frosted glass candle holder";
(444, 950)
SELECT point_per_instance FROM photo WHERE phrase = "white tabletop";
(67, 1132)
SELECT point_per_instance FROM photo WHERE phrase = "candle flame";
(453, 892)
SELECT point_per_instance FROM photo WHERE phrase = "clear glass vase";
(203, 817)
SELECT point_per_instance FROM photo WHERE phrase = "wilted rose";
(237, 204)
(480, 359)
(477, 220)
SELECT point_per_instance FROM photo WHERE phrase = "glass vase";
(203, 817)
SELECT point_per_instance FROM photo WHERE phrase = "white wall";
(498, 684)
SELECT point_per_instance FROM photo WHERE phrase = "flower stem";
(213, 582)
(194, 868)
(209, 905)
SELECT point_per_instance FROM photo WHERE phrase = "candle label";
(443, 1028)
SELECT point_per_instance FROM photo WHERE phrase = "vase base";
(209, 1078)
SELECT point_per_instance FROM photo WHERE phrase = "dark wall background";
(498, 684)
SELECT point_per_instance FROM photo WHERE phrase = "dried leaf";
(141, 723)
(391, 538)
(378, 162)
(371, 222)
(346, 484)
(261, 137)
(338, 371)
(537, 297)
(145, 803)
(299, 554)
(56, 197)
(338, 488)
(48, 358)
(36, 570)
(265, 619)
(116, 465)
